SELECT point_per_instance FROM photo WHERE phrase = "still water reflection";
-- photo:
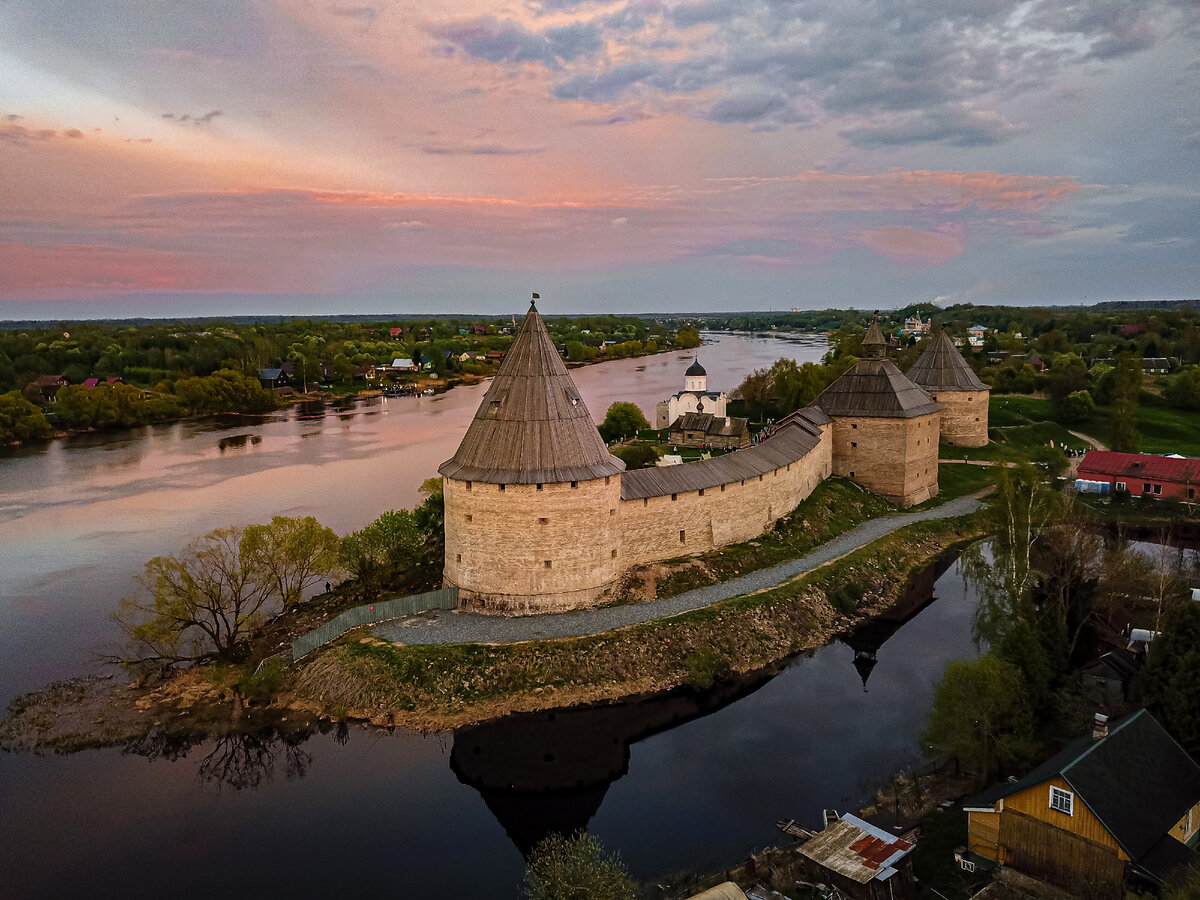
(80, 517)
(675, 782)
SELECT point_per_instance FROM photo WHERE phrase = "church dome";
(695, 369)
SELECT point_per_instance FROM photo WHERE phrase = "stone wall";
(658, 528)
(964, 417)
(894, 458)
(522, 549)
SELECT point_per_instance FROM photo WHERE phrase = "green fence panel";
(445, 598)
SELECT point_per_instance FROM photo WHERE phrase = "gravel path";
(452, 627)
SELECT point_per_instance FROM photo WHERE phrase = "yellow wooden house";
(1122, 803)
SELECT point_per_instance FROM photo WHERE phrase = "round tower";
(885, 428)
(695, 378)
(532, 492)
(950, 381)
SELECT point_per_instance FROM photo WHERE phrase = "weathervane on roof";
(533, 301)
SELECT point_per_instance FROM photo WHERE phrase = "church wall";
(895, 458)
(498, 543)
(964, 417)
(740, 512)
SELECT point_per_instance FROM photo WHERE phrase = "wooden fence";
(446, 598)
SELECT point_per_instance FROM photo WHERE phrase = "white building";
(695, 397)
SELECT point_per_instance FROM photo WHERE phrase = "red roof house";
(1167, 477)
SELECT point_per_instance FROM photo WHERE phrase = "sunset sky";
(299, 156)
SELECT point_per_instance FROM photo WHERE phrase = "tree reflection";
(239, 761)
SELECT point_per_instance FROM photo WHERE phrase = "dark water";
(678, 782)
(81, 516)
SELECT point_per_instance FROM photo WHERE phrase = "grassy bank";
(833, 508)
(440, 686)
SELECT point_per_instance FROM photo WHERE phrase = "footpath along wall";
(369, 614)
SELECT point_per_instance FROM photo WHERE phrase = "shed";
(862, 861)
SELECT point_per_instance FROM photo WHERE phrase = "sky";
(310, 157)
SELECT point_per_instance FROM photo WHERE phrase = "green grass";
(958, 481)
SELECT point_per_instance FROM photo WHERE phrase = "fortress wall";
(729, 514)
(964, 417)
(895, 458)
(498, 543)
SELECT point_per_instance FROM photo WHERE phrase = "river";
(673, 783)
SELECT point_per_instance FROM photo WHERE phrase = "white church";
(695, 397)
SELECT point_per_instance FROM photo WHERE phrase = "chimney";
(1099, 727)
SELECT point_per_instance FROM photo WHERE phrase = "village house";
(44, 388)
(976, 334)
(274, 378)
(706, 431)
(862, 861)
(1143, 475)
(1121, 803)
(914, 325)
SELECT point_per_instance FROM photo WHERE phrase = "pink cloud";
(910, 245)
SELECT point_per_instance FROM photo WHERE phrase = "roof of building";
(726, 890)
(716, 426)
(857, 849)
(875, 387)
(940, 367)
(48, 380)
(531, 426)
(269, 374)
(1137, 781)
(874, 338)
(91, 382)
(402, 363)
(1117, 664)
(695, 368)
(785, 447)
(1140, 465)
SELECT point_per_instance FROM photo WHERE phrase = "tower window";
(468, 485)
(701, 492)
(606, 478)
(614, 554)
(854, 443)
(501, 488)
(547, 564)
(683, 537)
(851, 474)
(539, 487)
(458, 557)
(645, 501)
(853, 425)
(722, 489)
(612, 512)
(674, 496)
(574, 484)
(543, 521)
(470, 518)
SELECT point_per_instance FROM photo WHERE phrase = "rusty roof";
(875, 387)
(532, 425)
(857, 849)
(787, 446)
(940, 367)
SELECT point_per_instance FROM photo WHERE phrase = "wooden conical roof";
(940, 367)
(532, 426)
(875, 387)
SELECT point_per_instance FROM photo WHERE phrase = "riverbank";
(437, 687)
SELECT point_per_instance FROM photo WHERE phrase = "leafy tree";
(687, 338)
(1068, 375)
(293, 553)
(102, 406)
(756, 391)
(1183, 391)
(21, 420)
(203, 603)
(576, 868)
(1076, 407)
(1171, 677)
(1127, 386)
(637, 456)
(980, 714)
(375, 554)
(623, 419)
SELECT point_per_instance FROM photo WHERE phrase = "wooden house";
(706, 431)
(45, 388)
(1124, 802)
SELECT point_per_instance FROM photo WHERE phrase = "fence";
(446, 598)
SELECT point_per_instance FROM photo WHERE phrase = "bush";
(576, 868)
(622, 420)
(264, 682)
(705, 668)
(846, 598)
(637, 456)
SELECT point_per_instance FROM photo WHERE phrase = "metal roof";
(1139, 465)
(531, 426)
(857, 849)
(695, 368)
(940, 367)
(875, 387)
(784, 448)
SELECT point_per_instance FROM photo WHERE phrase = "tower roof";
(873, 341)
(695, 368)
(531, 426)
(940, 367)
(875, 387)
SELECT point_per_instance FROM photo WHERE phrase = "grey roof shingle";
(875, 387)
(532, 425)
(940, 367)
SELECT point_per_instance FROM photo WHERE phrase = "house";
(1112, 671)
(1144, 475)
(396, 333)
(495, 354)
(403, 365)
(862, 861)
(1155, 365)
(45, 388)
(976, 334)
(273, 378)
(91, 382)
(1123, 802)
(704, 430)
(914, 325)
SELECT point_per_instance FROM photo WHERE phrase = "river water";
(673, 783)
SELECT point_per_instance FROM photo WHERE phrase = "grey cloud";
(488, 38)
(606, 86)
(478, 150)
(698, 12)
(573, 41)
(364, 14)
(748, 105)
(189, 119)
(955, 126)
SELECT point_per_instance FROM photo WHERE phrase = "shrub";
(705, 668)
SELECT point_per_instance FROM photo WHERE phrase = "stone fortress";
(540, 517)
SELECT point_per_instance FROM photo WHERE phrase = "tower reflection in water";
(549, 772)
